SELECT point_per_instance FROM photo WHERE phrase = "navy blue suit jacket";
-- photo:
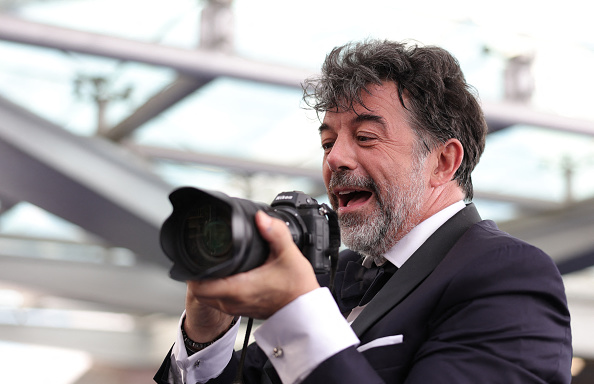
(473, 305)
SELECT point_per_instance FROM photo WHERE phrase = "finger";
(212, 288)
(274, 231)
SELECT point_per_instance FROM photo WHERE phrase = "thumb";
(274, 231)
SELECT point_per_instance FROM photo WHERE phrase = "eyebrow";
(362, 117)
(323, 127)
(369, 117)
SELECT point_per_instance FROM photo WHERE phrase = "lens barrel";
(205, 232)
(211, 235)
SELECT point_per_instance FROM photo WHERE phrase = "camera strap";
(239, 376)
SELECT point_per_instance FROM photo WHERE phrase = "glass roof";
(243, 119)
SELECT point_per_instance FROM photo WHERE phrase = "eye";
(365, 139)
(327, 146)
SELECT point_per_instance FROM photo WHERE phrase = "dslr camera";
(212, 235)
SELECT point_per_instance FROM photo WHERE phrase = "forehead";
(380, 103)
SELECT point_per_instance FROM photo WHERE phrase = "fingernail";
(264, 219)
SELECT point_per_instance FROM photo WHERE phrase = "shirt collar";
(404, 249)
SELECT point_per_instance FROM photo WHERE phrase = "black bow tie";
(360, 284)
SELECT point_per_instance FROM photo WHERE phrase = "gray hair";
(431, 88)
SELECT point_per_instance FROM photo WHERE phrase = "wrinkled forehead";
(376, 100)
(366, 97)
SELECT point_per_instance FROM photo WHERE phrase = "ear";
(448, 157)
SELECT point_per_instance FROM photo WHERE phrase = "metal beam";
(577, 262)
(6, 203)
(526, 205)
(196, 63)
(140, 289)
(137, 348)
(504, 115)
(87, 181)
(181, 87)
(207, 64)
(143, 346)
(582, 313)
(564, 233)
(243, 166)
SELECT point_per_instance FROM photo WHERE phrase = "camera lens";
(216, 238)
(207, 234)
(210, 234)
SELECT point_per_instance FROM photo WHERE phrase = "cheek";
(326, 173)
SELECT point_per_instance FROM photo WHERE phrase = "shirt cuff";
(207, 363)
(303, 334)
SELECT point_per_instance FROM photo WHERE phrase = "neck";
(440, 198)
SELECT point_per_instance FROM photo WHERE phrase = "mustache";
(346, 179)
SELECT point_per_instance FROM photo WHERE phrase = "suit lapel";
(416, 268)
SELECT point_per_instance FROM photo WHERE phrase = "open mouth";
(352, 198)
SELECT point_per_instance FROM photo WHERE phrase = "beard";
(397, 211)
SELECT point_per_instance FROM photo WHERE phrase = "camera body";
(212, 235)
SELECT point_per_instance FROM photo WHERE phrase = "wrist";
(194, 346)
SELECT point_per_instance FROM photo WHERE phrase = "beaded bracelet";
(193, 347)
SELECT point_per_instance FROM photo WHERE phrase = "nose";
(341, 157)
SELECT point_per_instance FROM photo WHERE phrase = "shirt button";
(197, 364)
(277, 352)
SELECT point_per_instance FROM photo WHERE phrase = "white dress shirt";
(305, 332)
(202, 365)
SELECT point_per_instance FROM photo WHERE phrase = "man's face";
(375, 179)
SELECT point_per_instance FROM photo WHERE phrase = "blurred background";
(106, 106)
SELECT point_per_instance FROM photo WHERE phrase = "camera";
(212, 235)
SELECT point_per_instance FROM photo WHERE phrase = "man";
(467, 303)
